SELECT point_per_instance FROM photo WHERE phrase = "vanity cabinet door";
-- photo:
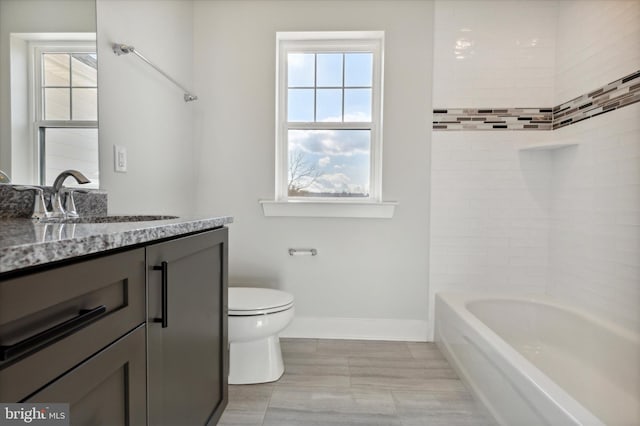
(108, 389)
(187, 329)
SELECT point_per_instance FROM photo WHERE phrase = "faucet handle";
(69, 203)
(39, 207)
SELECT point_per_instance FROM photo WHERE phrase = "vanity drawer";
(54, 319)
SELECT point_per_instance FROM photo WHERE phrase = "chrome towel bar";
(123, 49)
(303, 252)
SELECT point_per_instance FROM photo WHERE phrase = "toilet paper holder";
(303, 252)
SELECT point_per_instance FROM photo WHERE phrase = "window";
(329, 117)
(66, 109)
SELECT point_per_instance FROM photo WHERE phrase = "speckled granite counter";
(25, 243)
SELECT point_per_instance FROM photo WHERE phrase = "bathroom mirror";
(48, 89)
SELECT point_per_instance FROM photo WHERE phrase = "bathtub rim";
(618, 329)
(521, 370)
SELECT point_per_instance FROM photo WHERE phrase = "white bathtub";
(533, 361)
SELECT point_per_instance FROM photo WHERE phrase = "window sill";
(368, 210)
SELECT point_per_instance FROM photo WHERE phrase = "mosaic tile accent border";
(493, 119)
(617, 94)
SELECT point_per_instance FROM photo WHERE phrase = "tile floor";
(355, 382)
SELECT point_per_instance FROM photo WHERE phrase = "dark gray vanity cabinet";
(135, 337)
(187, 329)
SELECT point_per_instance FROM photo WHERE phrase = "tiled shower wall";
(532, 221)
(494, 53)
(489, 201)
(595, 216)
(597, 42)
(595, 205)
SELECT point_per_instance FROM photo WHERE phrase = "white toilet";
(256, 316)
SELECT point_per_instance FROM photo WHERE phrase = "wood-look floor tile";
(374, 349)
(321, 399)
(315, 375)
(441, 407)
(404, 363)
(298, 345)
(291, 405)
(282, 417)
(424, 350)
(394, 373)
(316, 370)
(324, 359)
(241, 418)
(250, 397)
(394, 381)
(247, 405)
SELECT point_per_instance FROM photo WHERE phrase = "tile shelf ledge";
(326, 209)
(548, 146)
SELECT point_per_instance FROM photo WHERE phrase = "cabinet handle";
(85, 316)
(164, 267)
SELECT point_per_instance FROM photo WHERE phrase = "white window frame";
(328, 41)
(37, 48)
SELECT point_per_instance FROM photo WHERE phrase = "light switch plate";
(120, 158)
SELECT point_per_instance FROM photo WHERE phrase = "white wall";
(490, 202)
(595, 259)
(370, 277)
(31, 16)
(142, 111)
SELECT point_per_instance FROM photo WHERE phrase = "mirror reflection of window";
(70, 86)
(67, 110)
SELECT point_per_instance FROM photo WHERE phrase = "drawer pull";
(85, 316)
(164, 267)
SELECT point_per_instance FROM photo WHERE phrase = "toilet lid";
(257, 301)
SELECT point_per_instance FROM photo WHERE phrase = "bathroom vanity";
(125, 321)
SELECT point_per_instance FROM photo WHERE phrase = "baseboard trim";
(357, 329)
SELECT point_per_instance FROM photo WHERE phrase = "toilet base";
(255, 361)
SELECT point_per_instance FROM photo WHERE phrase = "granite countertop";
(25, 243)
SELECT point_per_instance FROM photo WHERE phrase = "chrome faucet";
(66, 208)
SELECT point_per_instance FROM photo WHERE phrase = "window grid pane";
(84, 103)
(56, 69)
(329, 105)
(57, 103)
(349, 72)
(358, 69)
(84, 70)
(330, 69)
(66, 79)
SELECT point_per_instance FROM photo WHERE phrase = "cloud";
(357, 117)
(336, 183)
(298, 60)
(324, 161)
(331, 142)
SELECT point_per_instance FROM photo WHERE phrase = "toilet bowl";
(256, 316)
